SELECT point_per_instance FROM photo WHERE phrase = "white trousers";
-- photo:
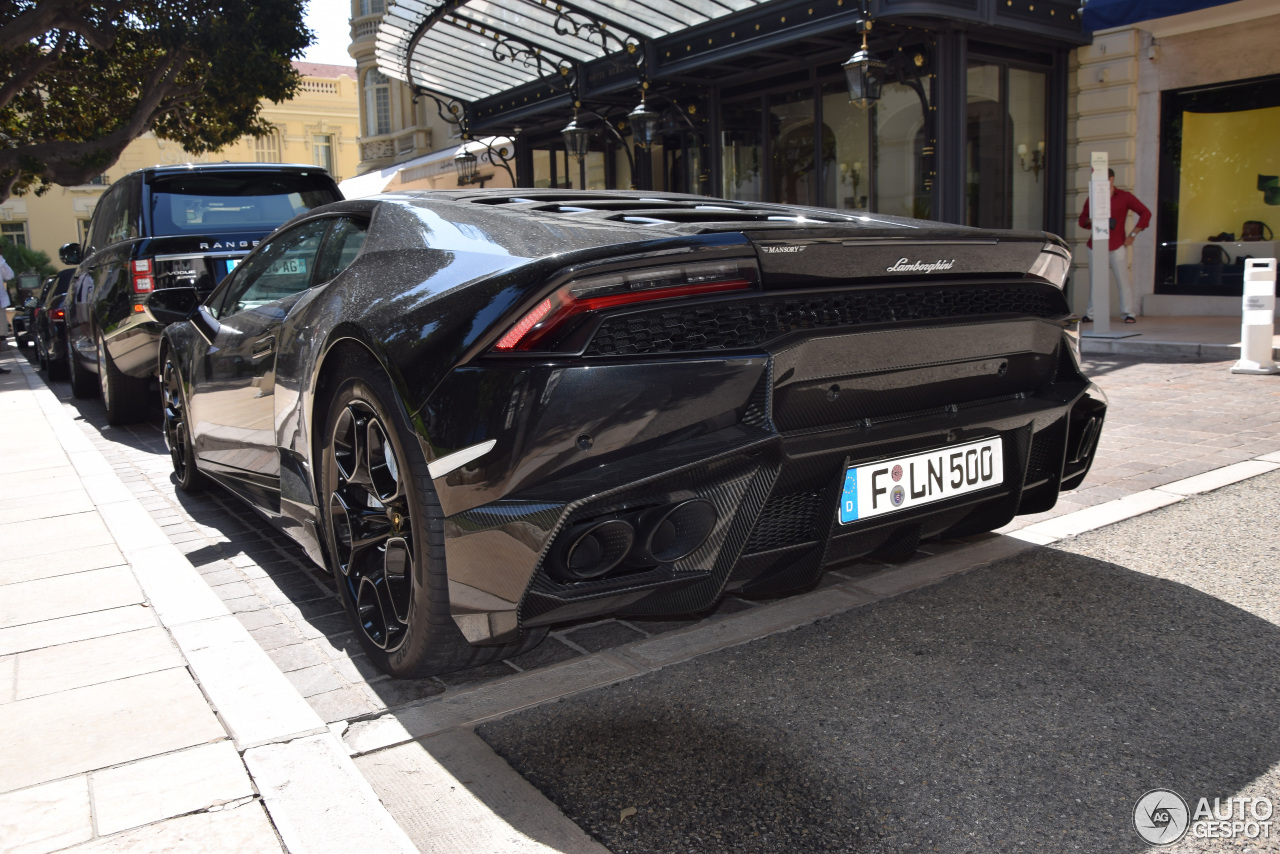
(1119, 274)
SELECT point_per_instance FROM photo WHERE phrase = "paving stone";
(603, 636)
(76, 628)
(257, 619)
(101, 725)
(477, 675)
(222, 578)
(52, 506)
(51, 536)
(8, 680)
(236, 589)
(243, 830)
(45, 818)
(253, 698)
(316, 679)
(275, 636)
(67, 595)
(355, 669)
(393, 693)
(68, 562)
(89, 662)
(342, 705)
(295, 657)
(550, 651)
(320, 802)
(164, 786)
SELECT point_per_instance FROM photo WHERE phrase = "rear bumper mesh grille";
(748, 323)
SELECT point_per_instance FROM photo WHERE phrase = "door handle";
(263, 346)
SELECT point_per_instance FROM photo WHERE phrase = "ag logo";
(1160, 817)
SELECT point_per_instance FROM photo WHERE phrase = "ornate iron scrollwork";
(457, 112)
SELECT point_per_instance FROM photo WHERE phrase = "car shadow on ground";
(1024, 706)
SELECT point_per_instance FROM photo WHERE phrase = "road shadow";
(1024, 706)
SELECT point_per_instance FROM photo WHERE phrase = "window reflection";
(741, 152)
(900, 179)
(1004, 147)
(791, 129)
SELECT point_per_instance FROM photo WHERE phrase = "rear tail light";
(144, 281)
(1052, 264)
(547, 321)
(58, 314)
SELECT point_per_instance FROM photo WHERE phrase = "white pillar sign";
(1257, 321)
(1100, 213)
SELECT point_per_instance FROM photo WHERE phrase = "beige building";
(320, 126)
(1187, 108)
(404, 145)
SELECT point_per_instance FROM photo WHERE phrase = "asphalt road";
(1022, 707)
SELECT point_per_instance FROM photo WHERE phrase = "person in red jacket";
(1122, 202)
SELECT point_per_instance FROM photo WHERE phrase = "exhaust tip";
(672, 533)
(593, 548)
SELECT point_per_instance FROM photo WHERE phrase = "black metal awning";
(474, 49)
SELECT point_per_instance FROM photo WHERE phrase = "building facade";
(320, 126)
(1187, 107)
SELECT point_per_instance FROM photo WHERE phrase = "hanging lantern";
(865, 75)
(644, 124)
(466, 164)
(577, 139)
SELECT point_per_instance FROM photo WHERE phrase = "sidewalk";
(1216, 338)
(137, 713)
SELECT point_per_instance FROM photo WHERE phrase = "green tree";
(81, 79)
(24, 260)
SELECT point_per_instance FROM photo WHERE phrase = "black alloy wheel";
(177, 432)
(385, 535)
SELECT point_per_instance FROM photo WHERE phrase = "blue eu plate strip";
(849, 498)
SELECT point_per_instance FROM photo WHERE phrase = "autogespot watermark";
(1162, 817)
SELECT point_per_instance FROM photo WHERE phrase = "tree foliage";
(22, 259)
(81, 79)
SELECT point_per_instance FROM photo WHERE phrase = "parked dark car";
(491, 411)
(49, 325)
(172, 226)
(23, 297)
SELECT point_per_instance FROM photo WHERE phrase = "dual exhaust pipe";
(646, 538)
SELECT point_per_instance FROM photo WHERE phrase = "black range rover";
(165, 227)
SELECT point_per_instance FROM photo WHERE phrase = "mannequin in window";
(1122, 202)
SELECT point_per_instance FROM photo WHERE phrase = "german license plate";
(900, 484)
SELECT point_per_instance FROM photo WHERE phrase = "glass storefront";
(810, 146)
(1005, 147)
(1219, 185)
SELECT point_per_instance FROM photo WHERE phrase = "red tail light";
(59, 314)
(143, 280)
(552, 316)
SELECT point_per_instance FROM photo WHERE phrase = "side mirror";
(173, 305)
(70, 254)
(30, 303)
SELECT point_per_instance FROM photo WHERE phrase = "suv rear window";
(233, 202)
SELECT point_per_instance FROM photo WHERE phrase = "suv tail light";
(58, 314)
(144, 281)
(545, 322)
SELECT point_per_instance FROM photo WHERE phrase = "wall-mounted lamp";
(1037, 159)
(644, 123)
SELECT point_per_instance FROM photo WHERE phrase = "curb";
(1181, 349)
(294, 759)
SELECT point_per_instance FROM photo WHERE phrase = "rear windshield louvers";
(731, 323)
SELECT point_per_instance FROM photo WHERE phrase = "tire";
(58, 369)
(124, 397)
(83, 383)
(177, 432)
(400, 616)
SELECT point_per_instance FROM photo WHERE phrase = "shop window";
(791, 131)
(14, 232)
(742, 151)
(1005, 147)
(1219, 195)
(900, 185)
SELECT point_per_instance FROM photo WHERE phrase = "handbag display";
(1254, 229)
